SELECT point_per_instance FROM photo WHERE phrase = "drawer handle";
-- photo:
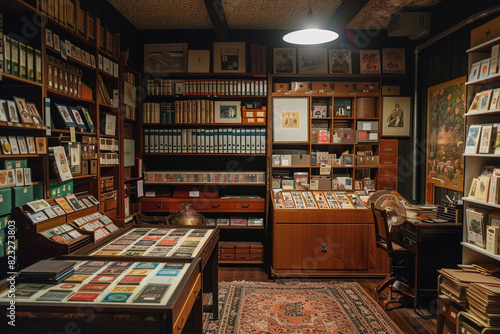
(245, 206)
(215, 206)
(323, 247)
(161, 205)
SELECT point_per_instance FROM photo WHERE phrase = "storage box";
(21, 195)
(390, 90)
(344, 87)
(324, 181)
(4, 221)
(367, 125)
(366, 136)
(15, 163)
(486, 32)
(38, 191)
(5, 201)
(93, 166)
(300, 87)
(322, 86)
(367, 87)
(281, 87)
(85, 167)
(301, 159)
(367, 160)
(366, 107)
(107, 183)
(109, 200)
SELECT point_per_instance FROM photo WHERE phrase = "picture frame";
(38, 205)
(86, 117)
(369, 61)
(473, 188)
(339, 61)
(14, 145)
(393, 61)
(49, 40)
(30, 143)
(227, 111)
(23, 148)
(65, 115)
(285, 60)
(35, 115)
(483, 188)
(19, 172)
(27, 176)
(5, 145)
(485, 144)
(475, 227)
(165, 58)
(12, 111)
(494, 99)
(312, 60)
(41, 145)
(229, 57)
(57, 42)
(78, 118)
(58, 210)
(198, 61)
(291, 119)
(23, 110)
(484, 69)
(396, 116)
(3, 111)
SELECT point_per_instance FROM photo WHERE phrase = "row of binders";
(200, 140)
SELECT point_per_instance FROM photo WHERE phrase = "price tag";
(194, 193)
(72, 134)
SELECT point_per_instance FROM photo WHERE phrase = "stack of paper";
(421, 211)
(47, 271)
(484, 302)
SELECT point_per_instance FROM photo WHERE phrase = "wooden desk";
(110, 311)
(435, 246)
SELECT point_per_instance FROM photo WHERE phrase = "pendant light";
(310, 35)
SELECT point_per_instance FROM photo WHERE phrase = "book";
(494, 59)
(483, 187)
(64, 204)
(492, 233)
(494, 190)
(47, 269)
(484, 69)
(472, 140)
(475, 226)
(486, 134)
(484, 103)
(474, 71)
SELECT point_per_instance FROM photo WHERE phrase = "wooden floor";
(404, 317)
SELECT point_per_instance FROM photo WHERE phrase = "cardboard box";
(15, 163)
(367, 125)
(281, 87)
(301, 159)
(4, 221)
(344, 87)
(109, 200)
(486, 32)
(367, 87)
(366, 107)
(324, 181)
(367, 160)
(21, 195)
(93, 166)
(5, 201)
(390, 90)
(85, 167)
(254, 120)
(322, 86)
(300, 87)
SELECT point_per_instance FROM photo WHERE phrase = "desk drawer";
(389, 159)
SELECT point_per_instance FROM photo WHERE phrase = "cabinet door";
(321, 247)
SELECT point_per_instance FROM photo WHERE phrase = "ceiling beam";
(218, 18)
(344, 14)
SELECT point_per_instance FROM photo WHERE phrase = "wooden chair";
(399, 289)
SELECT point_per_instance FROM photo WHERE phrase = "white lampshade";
(310, 36)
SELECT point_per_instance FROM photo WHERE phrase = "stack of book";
(103, 92)
(47, 271)
(484, 302)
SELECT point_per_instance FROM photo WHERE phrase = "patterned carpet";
(252, 307)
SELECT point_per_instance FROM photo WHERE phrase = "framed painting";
(227, 111)
(446, 106)
(285, 60)
(230, 57)
(165, 58)
(393, 61)
(313, 61)
(290, 119)
(339, 61)
(396, 116)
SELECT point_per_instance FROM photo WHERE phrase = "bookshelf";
(193, 117)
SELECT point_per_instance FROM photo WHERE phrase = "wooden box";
(301, 159)
(367, 87)
(281, 87)
(367, 160)
(109, 200)
(107, 183)
(344, 87)
(390, 90)
(366, 107)
(486, 32)
(93, 166)
(300, 87)
(324, 181)
(322, 86)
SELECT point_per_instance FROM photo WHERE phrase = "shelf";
(229, 227)
(111, 76)
(480, 250)
(22, 126)
(202, 183)
(472, 200)
(109, 166)
(241, 262)
(494, 112)
(205, 75)
(6, 76)
(486, 46)
(133, 179)
(106, 105)
(76, 177)
(70, 59)
(327, 94)
(482, 155)
(7, 156)
(195, 125)
(76, 132)
(56, 27)
(489, 79)
(67, 96)
(132, 121)
(108, 136)
(207, 154)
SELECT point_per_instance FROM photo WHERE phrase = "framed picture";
(285, 60)
(58, 210)
(13, 144)
(290, 119)
(339, 61)
(472, 140)
(482, 188)
(78, 118)
(86, 117)
(199, 61)
(484, 103)
(396, 116)
(313, 61)
(484, 69)
(23, 110)
(57, 42)
(474, 106)
(30, 142)
(227, 111)
(19, 172)
(494, 98)
(164, 58)
(445, 133)
(230, 57)
(393, 61)
(12, 111)
(23, 148)
(65, 115)
(41, 145)
(369, 61)
(48, 38)
(485, 145)
(5, 145)
(3, 111)
(35, 115)
(475, 227)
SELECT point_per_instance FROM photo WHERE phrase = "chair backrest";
(382, 232)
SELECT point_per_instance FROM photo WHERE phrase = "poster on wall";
(165, 58)
(445, 134)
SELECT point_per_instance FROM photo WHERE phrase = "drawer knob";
(323, 247)
(215, 206)
(245, 206)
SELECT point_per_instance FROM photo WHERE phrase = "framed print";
(86, 117)
(227, 111)
(165, 58)
(393, 61)
(369, 61)
(473, 188)
(12, 111)
(339, 61)
(396, 116)
(41, 145)
(484, 103)
(475, 227)
(23, 110)
(474, 106)
(485, 145)
(30, 142)
(48, 38)
(57, 42)
(14, 145)
(230, 57)
(472, 140)
(3, 111)
(285, 60)
(5, 145)
(78, 118)
(313, 61)
(19, 172)
(35, 115)
(290, 119)
(199, 61)
(23, 148)
(65, 115)
(483, 188)
(446, 105)
(474, 71)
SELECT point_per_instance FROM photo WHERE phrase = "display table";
(106, 296)
(151, 242)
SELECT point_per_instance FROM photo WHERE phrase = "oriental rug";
(333, 307)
